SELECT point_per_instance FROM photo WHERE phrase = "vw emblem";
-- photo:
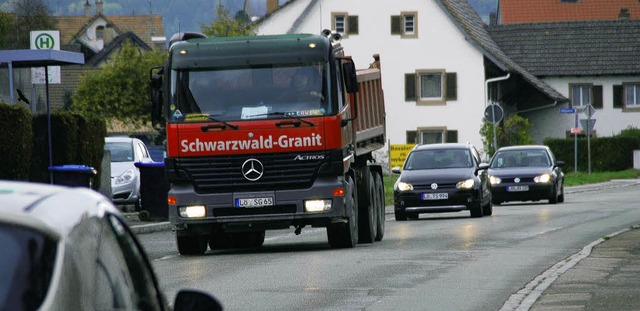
(434, 186)
(516, 180)
(252, 169)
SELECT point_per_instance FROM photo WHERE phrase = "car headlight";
(466, 184)
(403, 186)
(494, 180)
(544, 178)
(126, 177)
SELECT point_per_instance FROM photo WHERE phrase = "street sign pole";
(589, 143)
(495, 124)
(575, 144)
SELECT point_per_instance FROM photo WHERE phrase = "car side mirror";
(395, 170)
(482, 166)
(191, 300)
(559, 164)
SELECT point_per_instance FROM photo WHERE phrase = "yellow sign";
(398, 153)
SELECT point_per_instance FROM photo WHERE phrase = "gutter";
(555, 103)
(486, 86)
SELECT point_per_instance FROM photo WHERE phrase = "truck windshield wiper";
(224, 124)
(279, 113)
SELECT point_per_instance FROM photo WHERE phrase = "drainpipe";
(486, 102)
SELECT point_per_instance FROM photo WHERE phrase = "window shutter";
(396, 25)
(452, 136)
(596, 91)
(410, 87)
(412, 137)
(352, 27)
(452, 86)
(617, 96)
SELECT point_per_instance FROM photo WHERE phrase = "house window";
(632, 95)
(580, 95)
(431, 86)
(344, 24)
(100, 32)
(405, 24)
(568, 1)
(431, 136)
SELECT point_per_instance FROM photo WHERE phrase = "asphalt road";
(439, 262)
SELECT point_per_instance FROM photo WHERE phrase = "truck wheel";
(219, 240)
(380, 207)
(191, 244)
(368, 219)
(345, 235)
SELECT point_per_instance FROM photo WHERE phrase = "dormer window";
(100, 33)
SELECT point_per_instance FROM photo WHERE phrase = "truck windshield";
(252, 92)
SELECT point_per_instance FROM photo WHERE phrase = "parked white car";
(125, 176)
(69, 249)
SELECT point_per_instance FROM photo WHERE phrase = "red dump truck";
(269, 132)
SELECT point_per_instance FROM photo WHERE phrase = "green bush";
(607, 153)
(16, 143)
(513, 131)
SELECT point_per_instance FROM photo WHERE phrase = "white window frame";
(409, 24)
(435, 98)
(632, 95)
(583, 97)
(340, 23)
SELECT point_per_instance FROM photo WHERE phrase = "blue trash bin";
(154, 190)
(73, 175)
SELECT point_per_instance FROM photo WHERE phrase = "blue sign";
(567, 110)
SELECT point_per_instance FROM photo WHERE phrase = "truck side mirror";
(350, 77)
(155, 89)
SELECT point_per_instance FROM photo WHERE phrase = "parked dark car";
(526, 173)
(439, 178)
(69, 249)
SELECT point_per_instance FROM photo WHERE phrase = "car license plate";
(254, 202)
(517, 188)
(435, 196)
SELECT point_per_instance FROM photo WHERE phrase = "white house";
(593, 63)
(439, 64)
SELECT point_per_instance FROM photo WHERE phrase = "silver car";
(125, 176)
(69, 249)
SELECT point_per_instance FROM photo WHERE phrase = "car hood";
(117, 168)
(519, 171)
(444, 175)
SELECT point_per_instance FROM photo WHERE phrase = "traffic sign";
(567, 110)
(591, 124)
(589, 111)
(493, 113)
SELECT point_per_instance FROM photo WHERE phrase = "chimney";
(272, 5)
(624, 15)
(98, 7)
(87, 9)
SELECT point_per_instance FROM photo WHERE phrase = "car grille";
(427, 187)
(224, 173)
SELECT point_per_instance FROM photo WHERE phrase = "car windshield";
(520, 158)
(438, 159)
(120, 151)
(26, 267)
(261, 92)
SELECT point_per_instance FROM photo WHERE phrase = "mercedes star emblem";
(252, 169)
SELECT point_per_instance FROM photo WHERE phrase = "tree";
(513, 131)
(6, 29)
(120, 89)
(225, 26)
(30, 15)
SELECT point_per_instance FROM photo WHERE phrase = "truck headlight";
(466, 184)
(192, 211)
(317, 205)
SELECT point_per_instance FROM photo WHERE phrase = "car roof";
(524, 147)
(50, 208)
(119, 139)
(442, 146)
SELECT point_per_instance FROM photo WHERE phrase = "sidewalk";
(605, 275)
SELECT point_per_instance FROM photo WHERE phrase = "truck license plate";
(435, 196)
(254, 202)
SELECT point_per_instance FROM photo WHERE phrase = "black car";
(439, 178)
(526, 173)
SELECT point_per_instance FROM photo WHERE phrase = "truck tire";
(345, 235)
(368, 219)
(191, 244)
(378, 187)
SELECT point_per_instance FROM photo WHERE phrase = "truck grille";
(224, 173)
